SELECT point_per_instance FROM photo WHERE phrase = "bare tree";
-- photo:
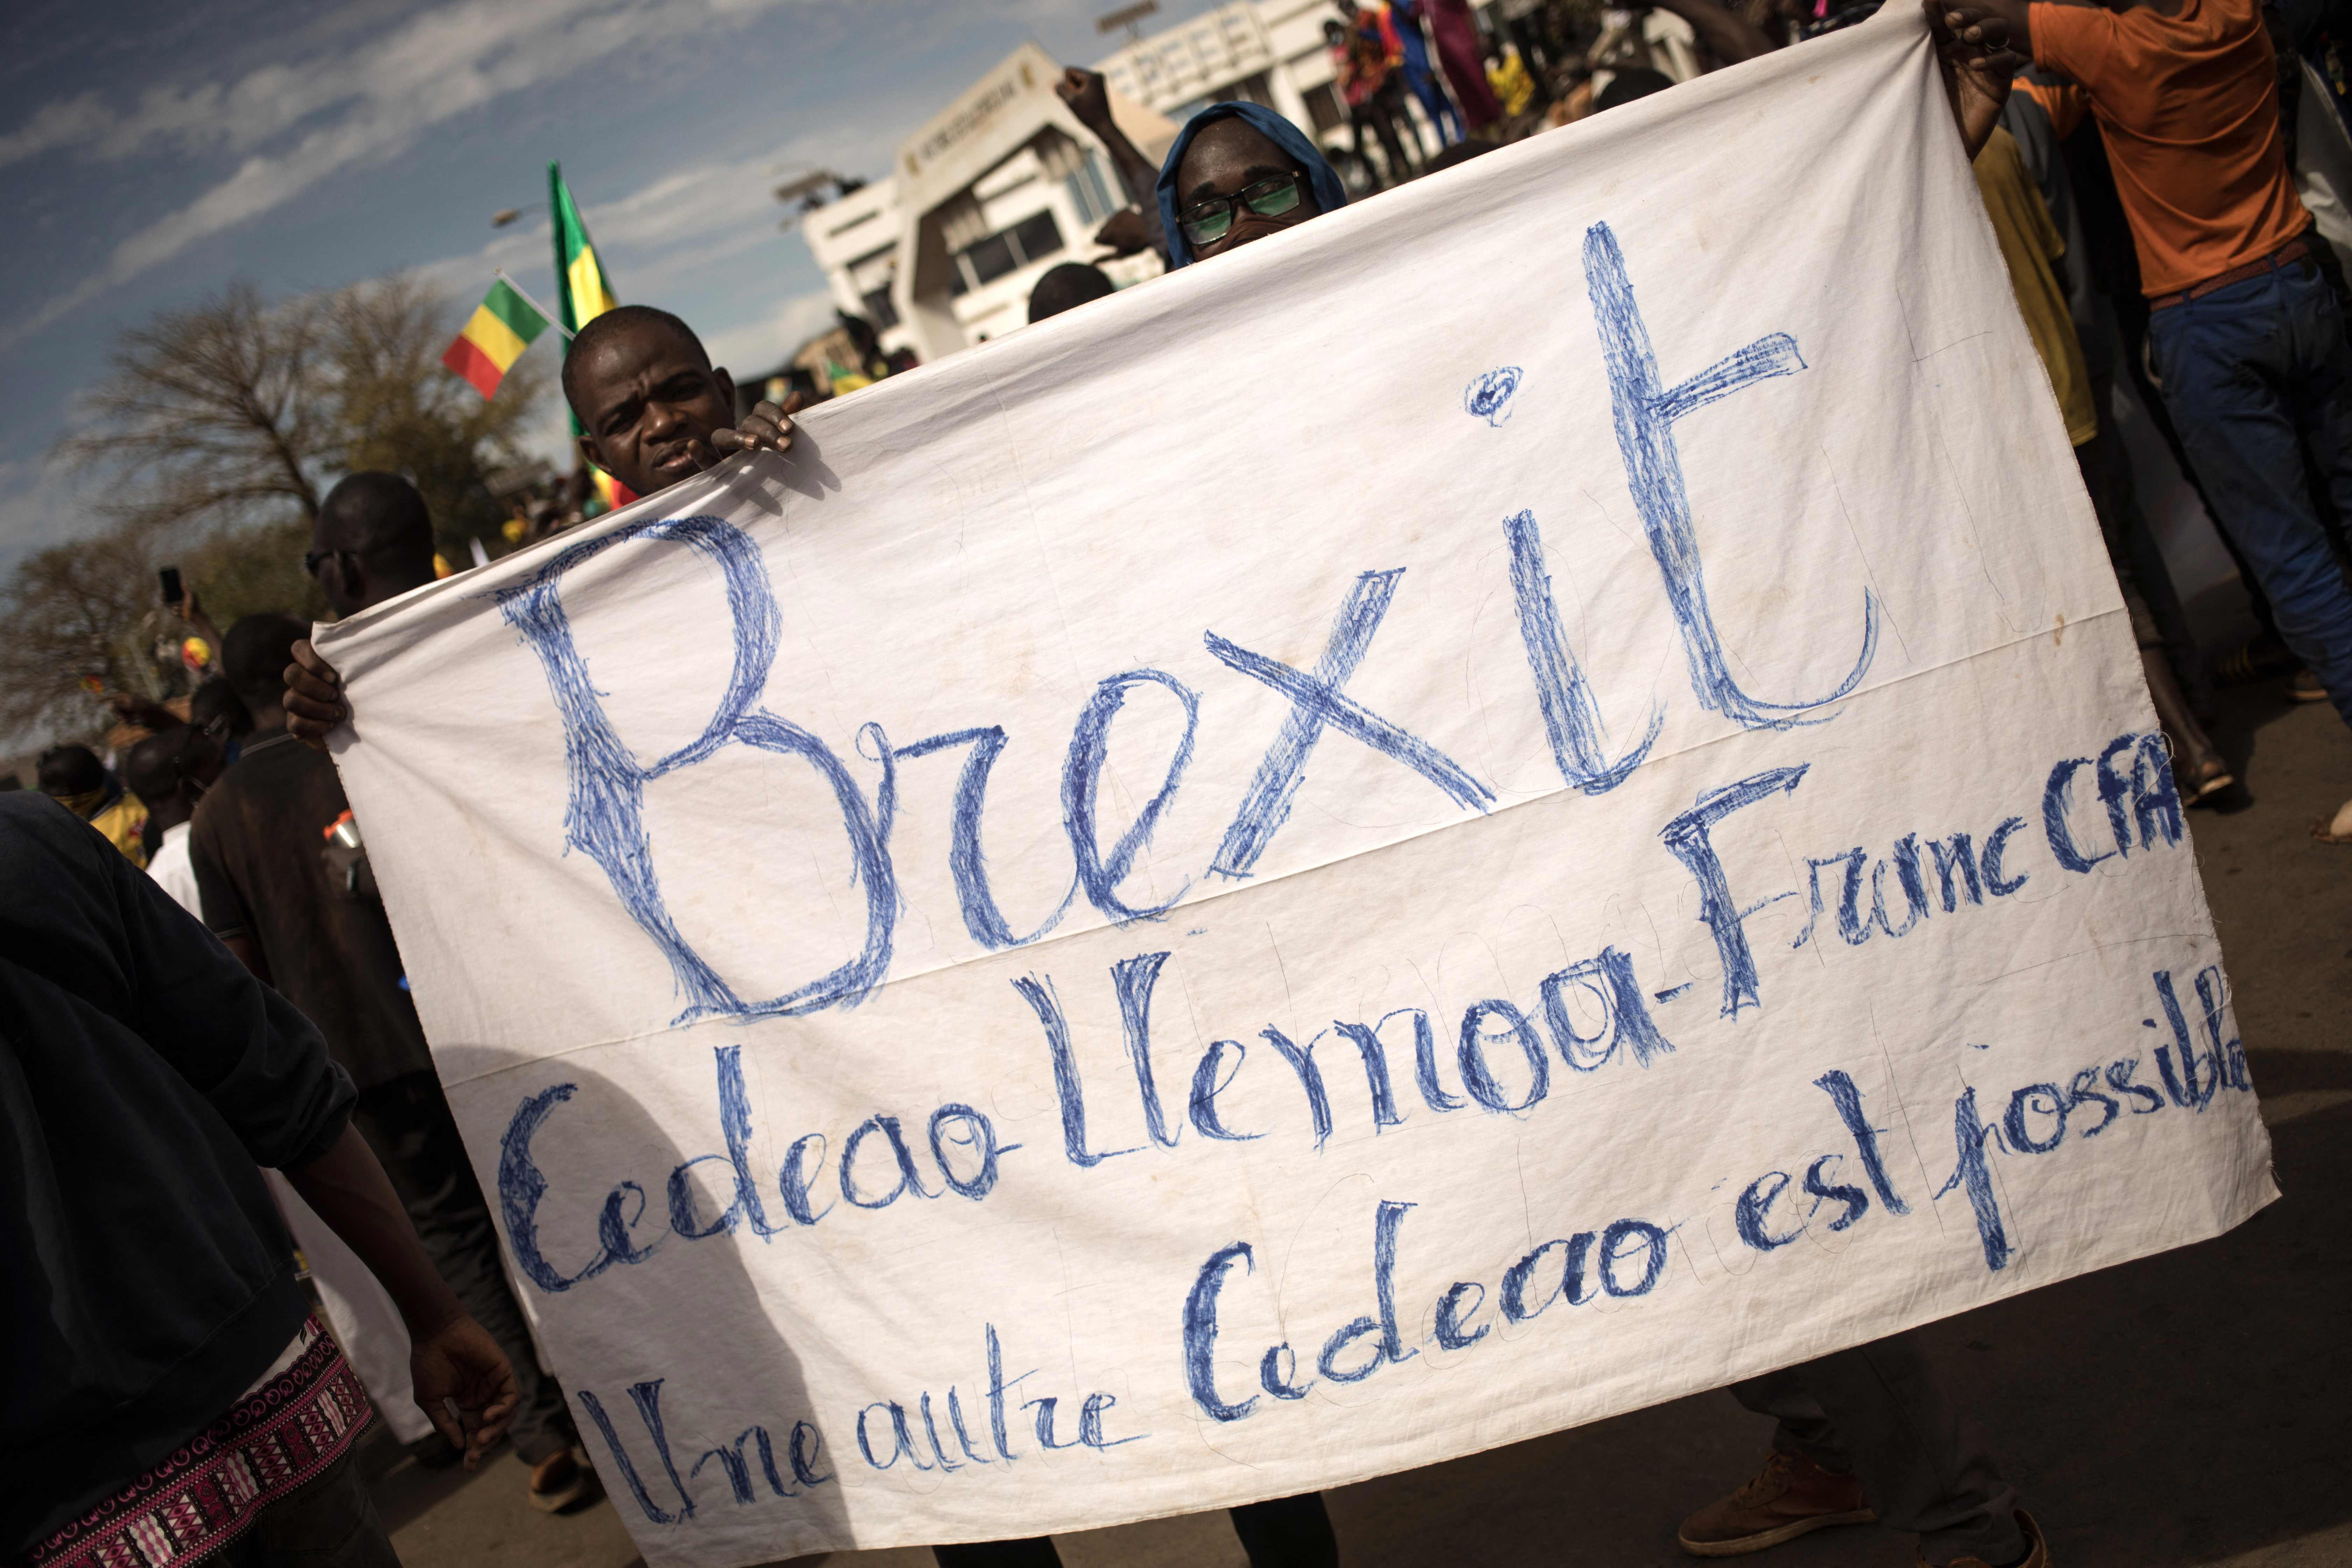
(74, 610)
(396, 408)
(212, 414)
(217, 430)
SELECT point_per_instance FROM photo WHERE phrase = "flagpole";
(552, 319)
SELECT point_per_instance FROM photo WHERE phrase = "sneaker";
(1791, 1497)
(563, 1482)
(2037, 1550)
(2305, 688)
(2339, 830)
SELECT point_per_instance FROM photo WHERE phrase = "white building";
(1004, 182)
(997, 187)
(1261, 51)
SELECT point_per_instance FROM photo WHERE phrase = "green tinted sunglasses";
(1207, 222)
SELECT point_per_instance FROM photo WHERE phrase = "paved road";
(2188, 1411)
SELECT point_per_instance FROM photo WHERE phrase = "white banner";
(1530, 799)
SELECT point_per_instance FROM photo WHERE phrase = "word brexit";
(606, 818)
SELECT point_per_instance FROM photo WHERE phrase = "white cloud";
(62, 123)
(662, 239)
(387, 92)
(755, 347)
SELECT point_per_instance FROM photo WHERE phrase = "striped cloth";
(281, 1433)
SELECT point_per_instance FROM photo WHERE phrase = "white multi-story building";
(1264, 51)
(1004, 182)
(995, 188)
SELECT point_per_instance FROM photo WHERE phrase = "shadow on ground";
(2179, 1411)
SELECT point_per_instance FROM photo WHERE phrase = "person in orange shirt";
(2247, 339)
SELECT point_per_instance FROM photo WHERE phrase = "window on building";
(1089, 192)
(1255, 90)
(984, 262)
(992, 259)
(870, 277)
(1323, 109)
(1037, 236)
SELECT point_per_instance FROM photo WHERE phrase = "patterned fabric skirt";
(281, 1433)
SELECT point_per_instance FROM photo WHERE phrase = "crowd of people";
(240, 1007)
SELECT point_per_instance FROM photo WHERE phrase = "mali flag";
(503, 325)
(581, 294)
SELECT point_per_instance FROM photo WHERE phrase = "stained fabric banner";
(1531, 797)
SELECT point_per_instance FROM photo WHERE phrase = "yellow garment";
(121, 823)
(2029, 244)
(1511, 82)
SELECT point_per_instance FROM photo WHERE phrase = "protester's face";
(334, 568)
(648, 406)
(1225, 160)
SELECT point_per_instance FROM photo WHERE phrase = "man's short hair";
(1066, 287)
(378, 515)
(216, 703)
(611, 323)
(1634, 81)
(70, 770)
(255, 654)
(156, 765)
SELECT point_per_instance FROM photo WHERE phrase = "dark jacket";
(144, 1076)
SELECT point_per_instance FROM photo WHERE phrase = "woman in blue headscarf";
(1237, 172)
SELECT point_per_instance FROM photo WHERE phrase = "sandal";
(564, 1481)
(2257, 659)
(2211, 778)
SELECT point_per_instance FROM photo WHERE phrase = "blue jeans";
(1433, 102)
(2257, 376)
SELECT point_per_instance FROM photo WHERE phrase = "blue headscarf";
(1321, 178)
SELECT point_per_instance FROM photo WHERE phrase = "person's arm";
(264, 1069)
(143, 712)
(464, 1383)
(1123, 234)
(1977, 67)
(766, 429)
(1729, 36)
(314, 697)
(224, 907)
(247, 951)
(1985, 25)
(194, 614)
(1088, 98)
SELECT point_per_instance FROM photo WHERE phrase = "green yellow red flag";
(582, 293)
(502, 326)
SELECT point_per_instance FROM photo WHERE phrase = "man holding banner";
(1568, 896)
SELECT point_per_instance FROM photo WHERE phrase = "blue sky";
(150, 154)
